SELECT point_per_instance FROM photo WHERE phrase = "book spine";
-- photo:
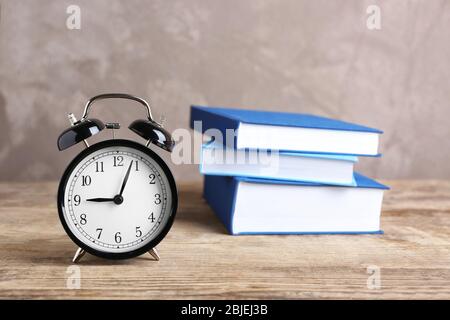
(213, 121)
(220, 193)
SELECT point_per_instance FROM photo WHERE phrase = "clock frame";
(164, 229)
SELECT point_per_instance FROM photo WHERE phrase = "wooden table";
(199, 260)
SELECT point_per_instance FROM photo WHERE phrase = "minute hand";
(124, 183)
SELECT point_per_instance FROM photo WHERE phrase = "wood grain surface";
(199, 260)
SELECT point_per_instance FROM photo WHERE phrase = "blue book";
(293, 166)
(284, 131)
(261, 206)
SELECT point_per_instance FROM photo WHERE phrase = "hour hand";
(101, 199)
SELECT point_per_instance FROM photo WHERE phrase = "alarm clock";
(117, 199)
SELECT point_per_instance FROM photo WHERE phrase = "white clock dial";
(117, 199)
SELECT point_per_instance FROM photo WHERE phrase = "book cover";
(284, 131)
(216, 159)
(261, 206)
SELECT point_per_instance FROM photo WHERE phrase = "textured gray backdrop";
(305, 56)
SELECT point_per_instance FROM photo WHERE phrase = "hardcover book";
(260, 206)
(331, 169)
(287, 131)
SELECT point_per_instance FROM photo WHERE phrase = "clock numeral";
(85, 181)
(138, 232)
(137, 165)
(118, 237)
(99, 166)
(118, 161)
(99, 230)
(77, 200)
(152, 178)
(83, 219)
(157, 198)
(151, 218)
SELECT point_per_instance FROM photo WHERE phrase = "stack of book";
(287, 173)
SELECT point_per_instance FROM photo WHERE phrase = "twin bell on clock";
(117, 199)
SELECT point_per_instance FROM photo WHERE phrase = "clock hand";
(118, 199)
(101, 199)
(124, 183)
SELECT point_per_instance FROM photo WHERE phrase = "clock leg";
(154, 254)
(78, 255)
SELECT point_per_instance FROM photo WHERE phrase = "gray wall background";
(301, 56)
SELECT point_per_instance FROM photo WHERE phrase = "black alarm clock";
(117, 199)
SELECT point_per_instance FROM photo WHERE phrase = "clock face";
(117, 199)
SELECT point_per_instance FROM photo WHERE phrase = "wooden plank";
(199, 260)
